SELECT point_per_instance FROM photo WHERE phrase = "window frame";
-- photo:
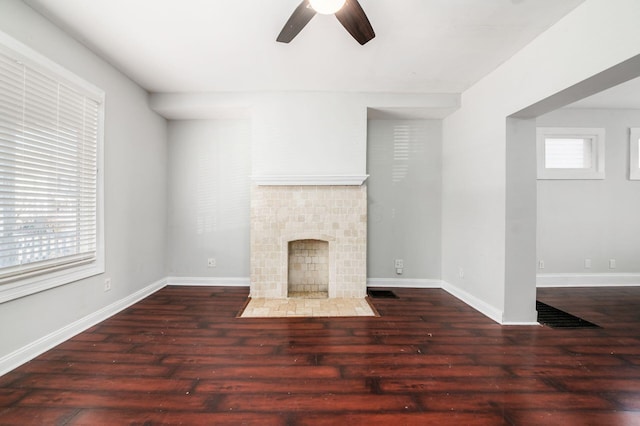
(595, 135)
(32, 282)
(634, 153)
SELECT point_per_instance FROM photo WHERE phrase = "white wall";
(404, 198)
(305, 133)
(309, 134)
(135, 191)
(481, 219)
(592, 219)
(209, 168)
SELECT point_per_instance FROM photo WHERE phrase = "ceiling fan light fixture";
(327, 7)
(348, 12)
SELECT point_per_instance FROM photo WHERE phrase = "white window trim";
(634, 148)
(596, 135)
(33, 283)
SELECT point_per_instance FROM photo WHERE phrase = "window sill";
(21, 288)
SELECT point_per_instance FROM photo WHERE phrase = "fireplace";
(291, 221)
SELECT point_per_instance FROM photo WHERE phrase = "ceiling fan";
(349, 13)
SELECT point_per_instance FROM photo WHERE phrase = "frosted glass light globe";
(327, 7)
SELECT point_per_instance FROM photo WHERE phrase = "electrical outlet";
(612, 264)
(541, 264)
(211, 262)
(107, 284)
(399, 263)
(587, 263)
(399, 271)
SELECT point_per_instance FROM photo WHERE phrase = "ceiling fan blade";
(353, 18)
(297, 21)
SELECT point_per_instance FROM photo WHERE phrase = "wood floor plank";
(257, 372)
(613, 349)
(611, 384)
(185, 401)
(316, 402)
(582, 371)
(425, 371)
(10, 396)
(310, 340)
(97, 368)
(575, 417)
(60, 354)
(181, 356)
(527, 359)
(131, 383)
(176, 340)
(75, 345)
(405, 419)
(284, 385)
(410, 359)
(626, 401)
(235, 359)
(103, 417)
(356, 349)
(514, 400)
(160, 348)
(26, 416)
(462, 385)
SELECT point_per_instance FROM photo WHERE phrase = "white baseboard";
(38, 347)
(520, 323)
(588, 280)
(209, 281)
(404, 282)
(477, 304)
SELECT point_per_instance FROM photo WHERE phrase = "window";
(634, 154)
(570, 153)
(50, 186)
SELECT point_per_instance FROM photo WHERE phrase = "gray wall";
(592, 219)
(404, 197)
(209, 168)
(135, 190)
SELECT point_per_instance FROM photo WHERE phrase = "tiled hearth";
(301, 307)
(334, 216)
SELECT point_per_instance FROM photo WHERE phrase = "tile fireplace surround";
(336, 214)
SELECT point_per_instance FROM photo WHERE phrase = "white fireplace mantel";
(309, 180)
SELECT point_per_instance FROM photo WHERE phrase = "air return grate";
(382, 294)
(555, 318)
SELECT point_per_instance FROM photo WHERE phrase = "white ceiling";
(429, 46)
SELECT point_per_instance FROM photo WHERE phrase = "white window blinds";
(567, 153)
(49, 133)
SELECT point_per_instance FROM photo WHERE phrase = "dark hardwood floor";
(182, 357)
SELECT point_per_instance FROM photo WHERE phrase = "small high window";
(570, 153)
(634, 154)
